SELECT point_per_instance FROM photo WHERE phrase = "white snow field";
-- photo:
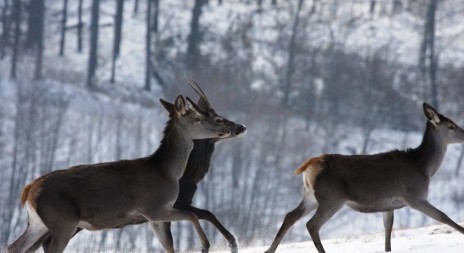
(439, 238)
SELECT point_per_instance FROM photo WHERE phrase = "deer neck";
(431, 151)
(173, 152)
(199, 160)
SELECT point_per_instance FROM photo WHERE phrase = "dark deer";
(120, 193)
(197, 167)
(374, 183)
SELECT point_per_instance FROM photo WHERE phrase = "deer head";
(237, 130)
(447, 131)
(191, 117)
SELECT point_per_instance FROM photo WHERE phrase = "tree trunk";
(428, 63)
(33, 17)
(63, 27)
(194, 36)
(148, 46)
(117, 36)
(136, 6)
(5, 28)
(79, 26)
(17, 31)
(291, 55)
(40, 39)
(156, 17)
(93, 43)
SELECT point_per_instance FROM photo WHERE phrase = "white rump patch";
(36, 225)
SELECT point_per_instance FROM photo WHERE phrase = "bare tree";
(194, 36)
(118, 19)
(63, 27)
(17, 33)
(428, 58)
(92, 66)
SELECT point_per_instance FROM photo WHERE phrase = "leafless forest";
(80, 82)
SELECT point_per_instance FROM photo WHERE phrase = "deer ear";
(169, 106)
(431, 114)
(180, 105)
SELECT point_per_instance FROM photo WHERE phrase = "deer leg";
(61, 234)
(207, 215)
(325, 211)
(34, 231)
(44, 241)
(163, 232)
(425, 207)
(28, 238)
(291, 218)
(176, 215)
(388, 224)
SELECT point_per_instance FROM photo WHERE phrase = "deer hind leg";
(388, 224)
(163, 232)
(307, 205)
(207, 215)
(326, 209)
(35, 230)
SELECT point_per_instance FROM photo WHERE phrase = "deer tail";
(25, 194)
(314, 162)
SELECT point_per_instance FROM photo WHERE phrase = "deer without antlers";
(120, 193)
(374, 183)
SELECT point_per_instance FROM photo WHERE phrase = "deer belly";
(110, 221)
(377, 206)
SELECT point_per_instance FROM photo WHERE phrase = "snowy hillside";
(420, 240)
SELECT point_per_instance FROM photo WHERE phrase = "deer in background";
(197, 166)
(374, 183)
(120, 193)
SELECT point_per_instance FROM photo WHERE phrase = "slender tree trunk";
(291, 55)
(155, 17)
(428, 63)
(136, 6)
(33, 17)
(79, 26)
(17, 31)
(40, 39)
(117, 36)
(194, 36)
(93, 43)
(148, 46)
(5, 28)
(63, 27)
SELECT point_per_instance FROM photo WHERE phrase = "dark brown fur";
(375, 183)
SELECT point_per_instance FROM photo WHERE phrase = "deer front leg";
(163, 232)
(177, 215)
(388, 224)
(425, 207)
(207, 215)
(290, 219)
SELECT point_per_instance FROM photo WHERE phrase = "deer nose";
(241, 129)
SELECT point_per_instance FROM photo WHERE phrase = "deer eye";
(219, 120)
(451, 127)
(196, 119)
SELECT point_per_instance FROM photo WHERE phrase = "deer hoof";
(233, 247)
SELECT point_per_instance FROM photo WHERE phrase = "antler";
(197, 88)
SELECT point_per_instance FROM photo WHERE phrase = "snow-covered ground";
(438, 238)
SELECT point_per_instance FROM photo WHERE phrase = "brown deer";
(120, 193)
(374, 183)
(197, 166)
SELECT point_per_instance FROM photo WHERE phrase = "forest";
(80, 83)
